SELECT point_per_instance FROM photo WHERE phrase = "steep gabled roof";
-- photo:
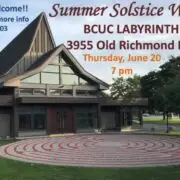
(42, 62)
(48, 57)
(37, 64)
(20, 45)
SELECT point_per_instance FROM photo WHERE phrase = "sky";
(71, 28)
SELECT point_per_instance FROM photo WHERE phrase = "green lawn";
(171, 133)
(176, 133)
(159, 120)
(16, 170)
(3, 142)
(22, 171)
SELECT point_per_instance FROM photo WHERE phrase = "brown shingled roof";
(20, 45)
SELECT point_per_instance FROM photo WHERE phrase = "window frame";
(32, 121)
(60, 73)
(38, 74)
(25, 129)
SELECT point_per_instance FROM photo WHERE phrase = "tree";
(151, 86)
(162, 87)
(172, 92)
(133, 87)
(126, 87)
(104, 94)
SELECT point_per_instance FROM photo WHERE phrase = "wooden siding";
(56, 100)
(6, 100)
(42, 44)
(81, 100)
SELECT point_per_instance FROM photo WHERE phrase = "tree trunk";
(140, 117)
(167, 115)
(164, 115)
(167, 123)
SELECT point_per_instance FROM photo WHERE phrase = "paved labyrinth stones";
(97, 150)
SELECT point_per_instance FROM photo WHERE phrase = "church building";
(44, 89)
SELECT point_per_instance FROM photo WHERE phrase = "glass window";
(70, 79)
(83, 82)
(85, 120)
(56, 60)
(66, 92)
(51, 68)
(66, 69)
(39, 91)
(32, 79)
(25, 121)
(39, 121)
(55, 92)
(49, 78)
(26, 91)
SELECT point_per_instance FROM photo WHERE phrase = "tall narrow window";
(39, 121)
(25, 121)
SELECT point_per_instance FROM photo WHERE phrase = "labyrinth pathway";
(97, 150)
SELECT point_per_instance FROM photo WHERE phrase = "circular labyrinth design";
(97, 150)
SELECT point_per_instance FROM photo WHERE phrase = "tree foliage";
(163, 87)
(126, 87)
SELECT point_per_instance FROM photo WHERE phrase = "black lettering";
(115, 8)
(55, 8)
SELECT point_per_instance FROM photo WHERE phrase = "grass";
(16, 170)
(172, 133)
(24, 171)
(175, 133)
(4, 142)
(159, 120)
